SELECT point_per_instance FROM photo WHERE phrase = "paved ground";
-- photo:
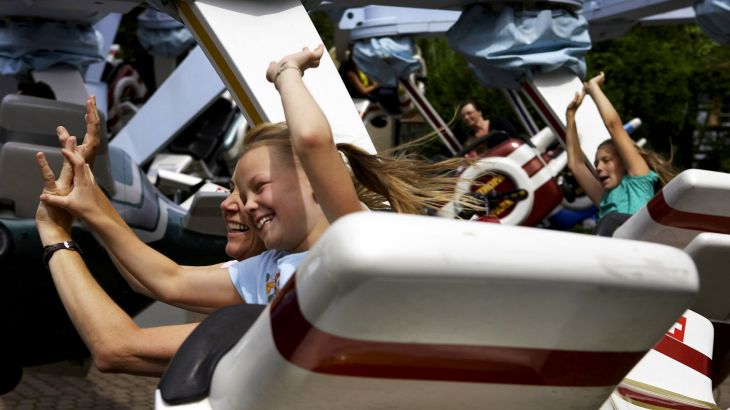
(43, 390)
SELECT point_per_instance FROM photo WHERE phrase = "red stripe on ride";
(634, 396)
(305, 346)
(684, 354)
(547, 114)
(661, 212)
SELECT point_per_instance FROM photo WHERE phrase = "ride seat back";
(695, 201)
(32, 120)
(204, 215)
(459, 317)
(711, 254)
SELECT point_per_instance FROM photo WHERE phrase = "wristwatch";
(49, 250)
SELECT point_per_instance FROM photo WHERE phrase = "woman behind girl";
(626, 175)
(292, 183)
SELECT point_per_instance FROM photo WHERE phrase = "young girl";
(626, 174)
(292, 183)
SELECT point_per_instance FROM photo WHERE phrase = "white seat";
(396, 311)
(695, 201)
(711, 254)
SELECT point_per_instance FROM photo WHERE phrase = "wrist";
(287, 70)
(49, 237)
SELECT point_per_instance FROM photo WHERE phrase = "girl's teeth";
(263, 221)
(237, 227)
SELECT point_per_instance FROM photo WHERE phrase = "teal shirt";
(629, 196)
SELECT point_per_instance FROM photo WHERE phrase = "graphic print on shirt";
(272, 286)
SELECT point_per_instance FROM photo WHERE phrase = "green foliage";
(325, 27)
(450, 82)
(660, 74)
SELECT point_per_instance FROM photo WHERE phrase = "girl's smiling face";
(242, 240)
(609, 167)
(278, 198)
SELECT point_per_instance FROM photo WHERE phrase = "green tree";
(661, 75)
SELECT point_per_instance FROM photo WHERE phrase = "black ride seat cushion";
(607, 225)
(188, 377)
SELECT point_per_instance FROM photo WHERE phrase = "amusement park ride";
(437, 312)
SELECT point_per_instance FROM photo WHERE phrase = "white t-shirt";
(259, 278)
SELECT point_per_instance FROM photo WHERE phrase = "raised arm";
(634, 163)
(576, 158)
(116, 343)
(202, 287)
(311, 135)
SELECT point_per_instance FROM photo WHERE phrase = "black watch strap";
(49, 250)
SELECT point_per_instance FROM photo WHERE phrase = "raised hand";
(91, 139)
(301, 60)
(595, 82)
(573, 106)
(54, 224)
(82, 197)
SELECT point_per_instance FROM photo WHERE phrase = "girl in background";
(626, 175)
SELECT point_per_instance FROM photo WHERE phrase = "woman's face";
(242, 240)
(470, 115)
(609, 167)
(279, 200)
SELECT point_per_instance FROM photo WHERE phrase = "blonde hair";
(404, 182)
(656, 162)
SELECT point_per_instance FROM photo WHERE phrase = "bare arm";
(138, 287)
(576, 158)
(206, 287)
(115, 341)
(355, 80)
(312, 137)
(634, 163)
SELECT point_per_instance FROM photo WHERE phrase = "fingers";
(55, 200)
(271, 71)
(92, 114)
(77, 163)
(578, 99)
(93, 126)
(49, 180)
(64, 180)
(63, 135)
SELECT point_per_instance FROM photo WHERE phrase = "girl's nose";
(250, 205)
(230, 203)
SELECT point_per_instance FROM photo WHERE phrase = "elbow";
(109, 357)
(139, 288)
(313, 139)
(613, 123)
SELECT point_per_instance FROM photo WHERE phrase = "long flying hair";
(404, 182)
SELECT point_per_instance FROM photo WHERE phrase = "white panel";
(711, 253)
(477, 282)
(249, 35)
(557, 89)
(188, 91)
